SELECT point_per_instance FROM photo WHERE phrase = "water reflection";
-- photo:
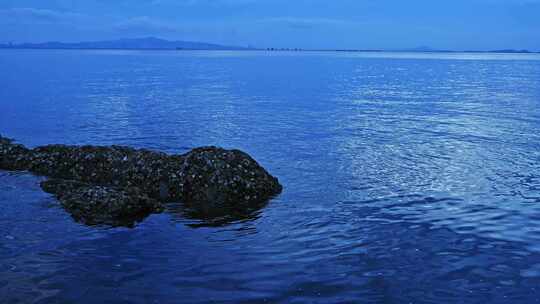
(404, 137)
(210, 216)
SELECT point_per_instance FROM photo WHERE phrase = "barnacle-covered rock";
(215, 177)
(116, 166)
(13, 156)
(60, 187)
(94, 205)
(118, 181)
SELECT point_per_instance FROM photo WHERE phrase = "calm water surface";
(408, 177)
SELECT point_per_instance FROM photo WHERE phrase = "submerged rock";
(102, 205)
(108, 178)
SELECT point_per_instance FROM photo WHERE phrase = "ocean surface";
(408, 178)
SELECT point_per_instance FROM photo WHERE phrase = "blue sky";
(452, 24)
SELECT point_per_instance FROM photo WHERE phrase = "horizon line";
(421, 49)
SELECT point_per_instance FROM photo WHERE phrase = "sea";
(408, 177)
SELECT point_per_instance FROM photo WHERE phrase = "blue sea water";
(408, 178)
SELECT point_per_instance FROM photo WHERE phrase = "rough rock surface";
(95, 181)
(13, 156)
(102, 205)
(228, 177)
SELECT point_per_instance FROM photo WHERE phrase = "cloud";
(34, 15)
(202, 2)
(145, 24)
(309, 23)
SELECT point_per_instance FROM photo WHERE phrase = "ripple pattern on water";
(408, 177)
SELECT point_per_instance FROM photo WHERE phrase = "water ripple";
(408, 177)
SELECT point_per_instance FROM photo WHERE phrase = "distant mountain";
(511, 51)
(425, 49)
(149, 43)
(152, 43)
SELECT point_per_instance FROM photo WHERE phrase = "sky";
(351, 24)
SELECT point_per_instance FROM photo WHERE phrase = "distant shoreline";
(274, 50)
(158, 44)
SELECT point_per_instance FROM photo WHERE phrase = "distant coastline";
(156, 44)
(2, 47)
(149, 43)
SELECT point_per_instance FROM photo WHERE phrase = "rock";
(217, 177)
(204, 178)
(59, 187)
(13, 157)
(117, 166)
(95, 205)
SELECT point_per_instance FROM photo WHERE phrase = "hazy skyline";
(458, 24)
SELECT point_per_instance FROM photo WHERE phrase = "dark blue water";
(409, 178)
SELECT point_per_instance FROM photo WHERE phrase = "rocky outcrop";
(13, 156)
(224, 177)
(104, 184)
(102, 205)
